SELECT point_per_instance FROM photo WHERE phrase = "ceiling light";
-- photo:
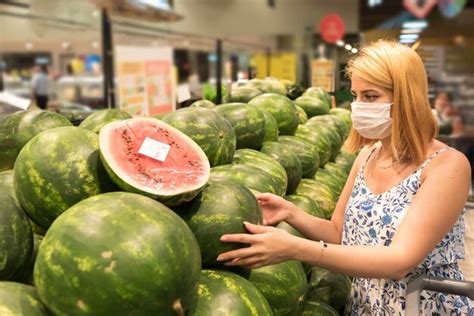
(95, 44)
(348, 47)
(409, 36)
(411, 31)
(340, 43)
(29, 45)
(421, 24)
(65, 45)
(354, 50)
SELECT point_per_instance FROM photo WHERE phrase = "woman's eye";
(371, 97)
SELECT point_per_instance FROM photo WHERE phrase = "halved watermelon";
(176, 178)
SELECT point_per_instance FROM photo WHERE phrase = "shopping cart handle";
(427, 283)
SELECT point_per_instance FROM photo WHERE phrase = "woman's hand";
(274, 208)
(268, 245)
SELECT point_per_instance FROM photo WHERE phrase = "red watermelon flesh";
(175, 180)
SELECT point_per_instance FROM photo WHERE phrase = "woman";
(448, 117)
(400, 213)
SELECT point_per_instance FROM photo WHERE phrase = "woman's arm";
(432, 214)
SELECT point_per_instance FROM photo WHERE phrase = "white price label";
(154, 149)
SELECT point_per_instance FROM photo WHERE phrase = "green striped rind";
(306, 152)
(332, 135)
(57, 169)
(345, 160)
(283, 285)
(319, 93)
(329, 287)
(337, 171)
(243, 94)
(251, 177)
(264, 162)
(302, 116)
(318, 139)
(267, 86)
(334, 121)
(248, 123)
(16, 237)
(18, 128)
(20, 299)
(318, 309)
(312, 106)
(326, 177)
(25, 274)
(213, 133)
(99, 119)
(203, 104)
(289, 229)
(117, 254)
(220, 209)
(225, 293)
(345, 114)
(288, 160)
(271, 127)
(306, 204)
(320, 193)
(281, 108)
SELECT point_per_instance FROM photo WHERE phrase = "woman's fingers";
(237, 254)
(245, 262)
(242, 238)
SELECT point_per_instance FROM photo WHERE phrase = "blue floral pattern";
(373, 220)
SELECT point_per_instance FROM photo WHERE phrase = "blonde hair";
(399, 69)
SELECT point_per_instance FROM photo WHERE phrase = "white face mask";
(372, 120)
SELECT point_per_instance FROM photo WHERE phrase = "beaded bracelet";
(323, 246)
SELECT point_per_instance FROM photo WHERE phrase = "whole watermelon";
(225, 293)
(319, 93)
(268, 85)
(256, 180)
(118, 254)
(337, 171)
(312, 106)
(281, 108)
(25, 274)
(345, 160)
(318, 139)
(221, 208)
(18, 128)
(213, 133)
(203, 104)
(320, 193)
(288, 160)
(306, 204)
(336, 122)
(302, 116)
(345, 114)
(20, 299)
(306, 152)
(283, 285)
(243, 94)
(264, 162)
(271, 127)
(99, 119)
(16, 237)
(326, 177)
(57, 169)
(248, 123)
(336, 285)
(312, 308)
(332, 135)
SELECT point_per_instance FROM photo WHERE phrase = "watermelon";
(265, 163)
(345, 114)
(203, 104)
(306, 204)
(252, 178)
(319, 93)
(36, 229)
(281, 108)
(226, 293)
(177, 179)
(271, 127)
(16, 237)
(290, 230)
(268, 85)
(293, 90)
(213, 133)
(19, 299)
(243, 94)
(318, 309)
(283, 285)
(288, 160)
(248, 123)
(18, 128)
(312, 106)
(118, 254)
(55, 170)
(220, 209)
(331, 180)
(99, 119)
(302, 116)
(345, 160)
(332, 135)
(25, 274)
(318, 139)
(306, 151)
(329, 287)
(320, 193)
(334, 121)
(338, 171)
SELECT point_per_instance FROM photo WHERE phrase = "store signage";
(332, 28)
(322, 73)
(145, 82)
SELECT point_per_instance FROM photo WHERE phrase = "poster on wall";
(145, 82)
(282, 65)
(322, 74)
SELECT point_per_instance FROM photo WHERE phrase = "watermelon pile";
(123, 215)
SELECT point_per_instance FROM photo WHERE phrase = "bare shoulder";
(364, 155)
(448, 162)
